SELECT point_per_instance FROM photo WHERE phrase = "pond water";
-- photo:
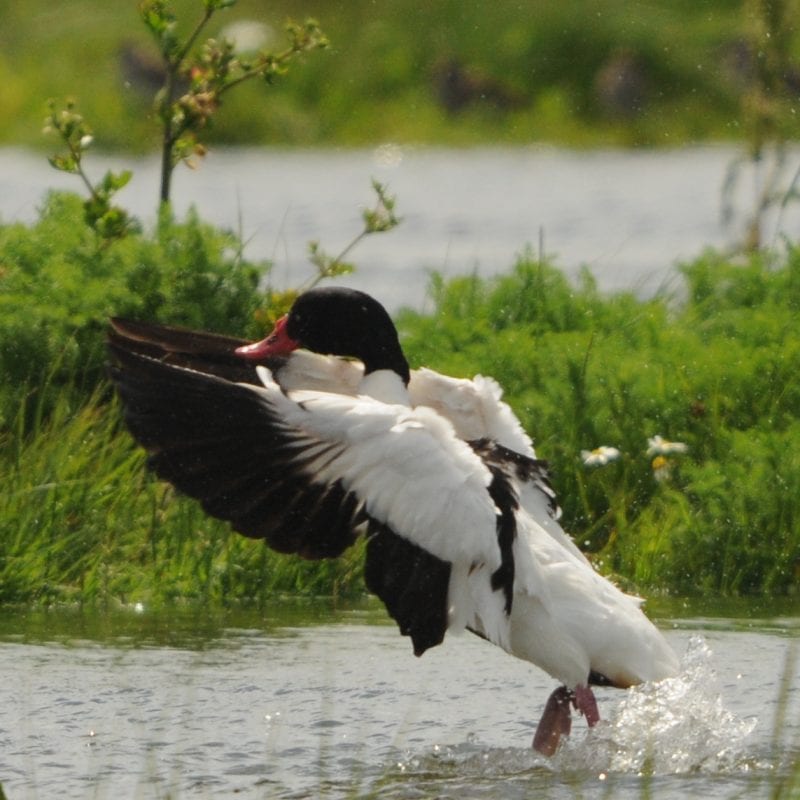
(312, 700)
(628, 215)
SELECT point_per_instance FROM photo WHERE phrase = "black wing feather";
(412, 583)
(209, 353)
(222, 444)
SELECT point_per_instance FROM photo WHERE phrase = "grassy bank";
(81, 520)
(657, 73)
(716, 372)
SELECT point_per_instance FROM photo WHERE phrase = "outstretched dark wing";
(217, 442)
(209, 353)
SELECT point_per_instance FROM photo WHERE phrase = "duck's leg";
(585, 702)
(556, 722)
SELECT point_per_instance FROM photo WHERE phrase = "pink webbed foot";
(556, 722)
(584, 701)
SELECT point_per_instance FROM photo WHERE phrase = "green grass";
(59, 283)
(81, 519)
(375, 83)
(717, 372)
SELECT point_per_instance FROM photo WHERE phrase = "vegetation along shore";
(80, 518)
(672, 424)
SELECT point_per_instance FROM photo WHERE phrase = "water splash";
(676, 726)
(676, 735)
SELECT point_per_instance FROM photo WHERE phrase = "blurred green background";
(446, 72)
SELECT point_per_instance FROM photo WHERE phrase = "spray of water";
(679, 725)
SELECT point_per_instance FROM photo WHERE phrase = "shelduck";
(321, 433)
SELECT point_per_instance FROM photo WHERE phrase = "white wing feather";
(474, 407)
(407, 465)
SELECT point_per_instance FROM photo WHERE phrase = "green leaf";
(64, 163)
(337, 268)
(114, 181)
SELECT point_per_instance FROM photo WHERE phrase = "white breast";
(567, 618)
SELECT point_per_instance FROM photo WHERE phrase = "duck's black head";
(335, 321)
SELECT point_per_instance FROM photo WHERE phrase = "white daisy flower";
(661, 468)
(600, 456)
(659, 446)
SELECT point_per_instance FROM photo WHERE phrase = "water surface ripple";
(338, 706)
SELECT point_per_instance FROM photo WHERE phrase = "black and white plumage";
(291, 441)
